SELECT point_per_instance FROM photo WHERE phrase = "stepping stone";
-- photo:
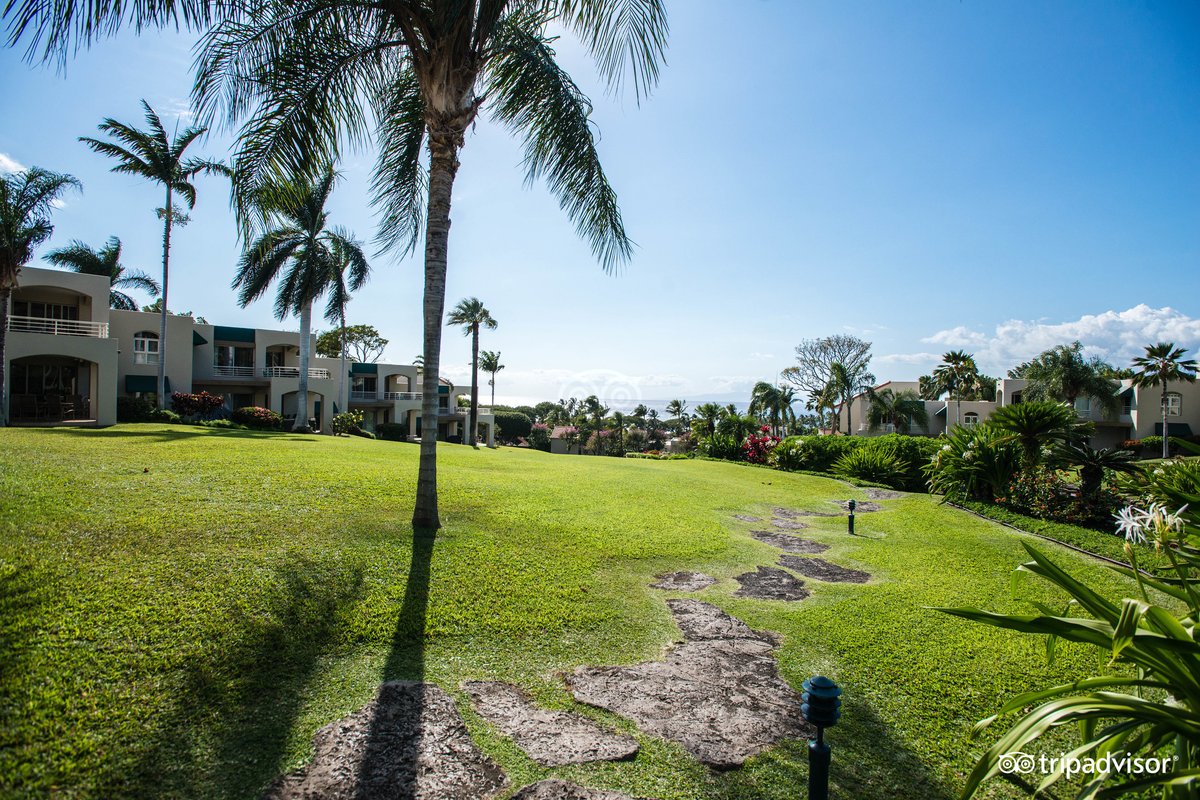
(792, 513)
(785, 541)
(788, 524)
(683, 581)
(823, 570)
(746, 518)
(551, 738)
(554, 789)
(408, 742)
(769, 583)
(718, 694)
(884, 494)
(862, 507)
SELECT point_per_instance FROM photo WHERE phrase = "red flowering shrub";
(260, 418)
(758, 446)
(200, 405)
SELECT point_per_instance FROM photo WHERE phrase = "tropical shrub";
(226, 424)
(816, 453)
(134, 409)
(347, 422)
(1043, 494)
(201, 405)
(877, 465)
(165, 415)
(1151, 710)
(258, 418)
(974, 463)
(512, 425)
(913, 453)
(539, 437)
(1038, 425)
(1172, 483)
(721, 445)
(392, 431)
(604, 443)
(757, 447)
(362, 433)
(635, 439)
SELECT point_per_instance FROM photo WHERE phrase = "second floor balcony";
(294, 372)
(57, 327)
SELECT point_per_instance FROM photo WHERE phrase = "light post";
(821, 707)
(851, 505)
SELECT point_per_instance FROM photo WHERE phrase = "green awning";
(198, 340)
(443, 390)
(224, 333)
(1174, 428)
(358, 368)
(146, 384)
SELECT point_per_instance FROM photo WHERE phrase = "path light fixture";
(821, 707)
(851, 505)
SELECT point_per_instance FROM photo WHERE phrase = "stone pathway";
(823, 570)
(683, 581)
(862, 507)
(746, 518)
(793, 513)
(551, 738)
(792, 544)
(768, 583)
(408, 742)
(555, 789)
(718, 694)
(884, 494)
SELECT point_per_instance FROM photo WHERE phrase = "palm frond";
(622, 35)
(401, 177)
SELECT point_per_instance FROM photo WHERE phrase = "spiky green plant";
(1036, 425)
(976, 463)
(877, 465)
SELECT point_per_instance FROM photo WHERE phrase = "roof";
(560, 431)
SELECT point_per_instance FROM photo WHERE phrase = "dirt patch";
(793, 513)
(746, 518)
(408, 742)
(718, 694)
(551, 738)
(822, 570)
(788, 524)
(862, 507)
(683, 581)
(554, 789)
(884, 494)
(769, 583)
(792, 544)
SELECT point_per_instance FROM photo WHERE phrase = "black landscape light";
(821, 707)
(851, 505)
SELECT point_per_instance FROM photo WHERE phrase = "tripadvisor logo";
(1070, 766)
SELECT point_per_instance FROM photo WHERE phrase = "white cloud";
(761, 356)
(9, 164)
(175, 107)
(961, 336)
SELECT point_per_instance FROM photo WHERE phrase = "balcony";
(402, 395)
(294, 372)
(58, 327)
(357, 395)
(229, 371)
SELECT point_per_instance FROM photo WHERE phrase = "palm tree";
(929, 388)
(678, 410)
(151, 155)
(957, 374)
(848, 382)
(1163, 363)
(344, 265)
(81, 258)
(709, 413)
(1062, 373)
(26, 201)
(489, 361)
(472, 315)
(898, 409)
(308, 259)
(1093, 464)
(773, 404)
(1036, 424)
(594, 411)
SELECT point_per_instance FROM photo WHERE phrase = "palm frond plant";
(489, 362)
(901, 410)
(105, 262)
(1094, 464)
(471, 315)
(848, 381)
(976, 463)
(1162, 364)
(958, 375)
(1124, 719)
(1038, 425)
(1064, 374)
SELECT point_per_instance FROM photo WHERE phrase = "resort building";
(70, 357)
(1138, 413)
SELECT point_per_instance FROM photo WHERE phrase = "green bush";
(165, 415)
(392, 431)
(134, 409)
(539, 437)
(721, 445)
(877, 465)
(347, 422)
(263, 419)
(227, 424)
(913, 452)
(512, 425)
(362, 433)
(814, 453)
(974, 463)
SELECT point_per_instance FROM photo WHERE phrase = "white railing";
(293, 372)
(58, 327)
(145, 358)
(402, 395)
(363, 395)
(228, 371)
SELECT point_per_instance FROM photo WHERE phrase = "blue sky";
(1000, 177)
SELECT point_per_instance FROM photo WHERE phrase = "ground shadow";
(226, 733)
(174, 433)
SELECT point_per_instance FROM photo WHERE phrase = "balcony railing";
(402, 395)
(359, 395)
(58, 327)
(293, 372)
(230, 371)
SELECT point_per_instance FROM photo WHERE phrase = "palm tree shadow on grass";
(227, 732)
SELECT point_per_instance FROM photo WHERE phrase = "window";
(145, 348)
(970, 419)
(1083, 405)
(22, 308)
(1127, 404)
(1174, 404)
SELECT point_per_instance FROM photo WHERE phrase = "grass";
(182, 608)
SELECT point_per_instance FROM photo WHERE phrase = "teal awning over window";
(146, 384)
(443, 390)
(1174, 428)
(224, 333)
(358, 368)
(198, 340)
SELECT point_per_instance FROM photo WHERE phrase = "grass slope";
(181, 608)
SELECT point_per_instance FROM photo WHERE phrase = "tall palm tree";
(773, 404)
(1163, 363)
(898, 409)
(849, 381)
(957, 374)
(709, 413)
(678, 410)
(151, 155)
(26, 202)
(106, 262)
(471, 315)
(594, 411)
(306, 257)
(1064, 374)
(344, 269)
(489, 362)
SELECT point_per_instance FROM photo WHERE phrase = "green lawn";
(181, 608)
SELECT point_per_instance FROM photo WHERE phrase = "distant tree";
(594, 412)
(363, 343)
(773, 404)
(489, 362)
(157, 305)
(929, 388)
(707, 415)
(105, 262)
(677, 409)
(543, 410)
(849, 381)
(1163, 363)
(1064, 374)
(815, 358)
(26, 202)
(471, 315)
(899, 409)
(958, 375)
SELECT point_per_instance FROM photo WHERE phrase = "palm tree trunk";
(443, 165)
(344, 398)
(162, 320)
(301, 422)
(1166, 447)
(5, 293)
(493, 389)
(474, 415)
